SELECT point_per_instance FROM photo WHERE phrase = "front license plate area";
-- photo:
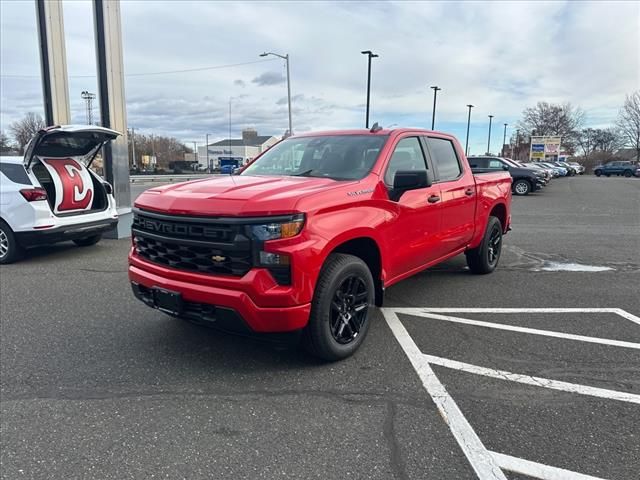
(167, 301)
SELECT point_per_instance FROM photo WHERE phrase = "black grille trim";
(166, 241)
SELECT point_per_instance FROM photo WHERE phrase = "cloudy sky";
(499, 56)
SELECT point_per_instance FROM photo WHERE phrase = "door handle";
(433, 199)
(469, 191)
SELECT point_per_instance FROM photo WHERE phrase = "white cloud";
(500, 56)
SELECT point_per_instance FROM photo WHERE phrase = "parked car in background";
(624, 168)
(577, 167)
(571, 170)
(227, 169)
(524, 180)
(50, 195)
(561, 171)
(548, 172)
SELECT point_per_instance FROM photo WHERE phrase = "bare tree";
(5, 144)
(629, 122)
(24, 130)
(166, 149)
(607, 140)
(553, 119)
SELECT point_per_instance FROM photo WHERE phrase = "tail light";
(34, 194)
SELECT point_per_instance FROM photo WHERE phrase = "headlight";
(275, 231)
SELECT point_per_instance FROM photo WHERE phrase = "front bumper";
(68, 232)
(226, 302)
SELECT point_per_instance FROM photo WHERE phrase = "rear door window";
(444, 158)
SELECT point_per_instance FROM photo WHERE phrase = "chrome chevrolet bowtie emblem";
(218, 258)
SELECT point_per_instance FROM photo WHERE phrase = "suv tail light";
(33, 194)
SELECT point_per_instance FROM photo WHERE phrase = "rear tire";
(628, 173)
(88, 241)
(10, 251)
(521, 187)
(484, 259)
(341, 308)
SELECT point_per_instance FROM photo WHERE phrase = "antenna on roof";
(375, 128)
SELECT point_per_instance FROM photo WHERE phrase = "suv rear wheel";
(521, 187)
(628, 173)
(88, 241)
(10, 251)
(340, 309)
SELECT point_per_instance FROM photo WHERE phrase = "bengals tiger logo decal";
(73, 184)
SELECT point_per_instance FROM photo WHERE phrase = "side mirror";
(505, 168)
(405, 180)
(236, 171)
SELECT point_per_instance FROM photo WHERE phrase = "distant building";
(235, 151)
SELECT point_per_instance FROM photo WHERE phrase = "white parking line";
(479, 457)
(532, 331)
(617, 311)
(537, 470)
(488, 465)
(534, 381)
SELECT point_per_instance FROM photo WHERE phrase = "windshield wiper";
(303, 174)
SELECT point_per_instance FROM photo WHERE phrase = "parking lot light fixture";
(286, 59)
(435, 89)
(504, 137)
(371, 55)
(466, 145)
(489, 138)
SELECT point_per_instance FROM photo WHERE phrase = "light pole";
(133, 146)
(206, 143)
(466, 145)
(89, 97)
(504, 138)
(195, 154)
(435, 89)
(286, 58)
(489, 139)
(371, 55)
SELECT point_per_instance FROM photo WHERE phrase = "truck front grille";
(188, 243)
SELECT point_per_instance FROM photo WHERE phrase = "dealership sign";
(545, 148)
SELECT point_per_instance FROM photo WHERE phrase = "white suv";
(50, 195)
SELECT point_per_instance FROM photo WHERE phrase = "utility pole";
(489, 139)
(504, 138)
(88, 99)
(371, 55)
(466, 145)
(435, 89)
(516, 144)
(230, 127)
(195, 155)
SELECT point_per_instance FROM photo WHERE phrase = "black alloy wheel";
(349, 309)
(494, 245)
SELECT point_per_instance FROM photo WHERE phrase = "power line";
(186, 70)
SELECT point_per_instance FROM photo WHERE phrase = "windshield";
(340, 157)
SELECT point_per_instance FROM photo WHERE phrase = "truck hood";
(235, 195)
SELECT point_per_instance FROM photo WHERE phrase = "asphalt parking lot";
(530, 372)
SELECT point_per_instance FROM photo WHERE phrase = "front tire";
(598, 173)
(341, 308)
(484, 259)
(628, 173)
(88, 241)
(521, 187)
(10, 251)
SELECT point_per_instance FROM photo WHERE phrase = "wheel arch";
(499, 210)
(368, 250)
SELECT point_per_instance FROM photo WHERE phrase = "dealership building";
(234, 151)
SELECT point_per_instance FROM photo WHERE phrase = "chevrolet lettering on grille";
(178, 229)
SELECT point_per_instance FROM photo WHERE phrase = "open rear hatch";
(59, 157)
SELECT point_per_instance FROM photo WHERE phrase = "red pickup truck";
(308, 236)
